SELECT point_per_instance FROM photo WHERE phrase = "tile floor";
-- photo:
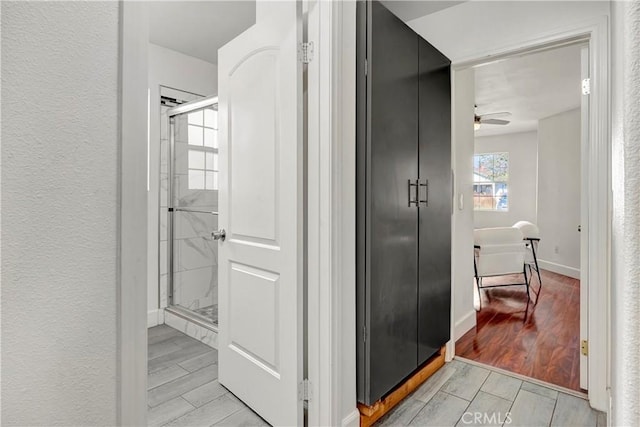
(184, 391)
(462, 394)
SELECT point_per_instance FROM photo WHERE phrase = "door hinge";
(364, 333)
(304, 391)
(306, 52)
(586, 86)
(584, 347)
(366, 67)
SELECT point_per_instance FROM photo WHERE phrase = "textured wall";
(625, 310)
(59, 219)
(523, 178)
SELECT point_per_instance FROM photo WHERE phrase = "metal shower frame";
(171, 114)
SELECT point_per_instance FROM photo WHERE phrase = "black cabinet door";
(434, 286)
(391, 224)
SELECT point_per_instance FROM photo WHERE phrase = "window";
(203, 149)
(490, 182)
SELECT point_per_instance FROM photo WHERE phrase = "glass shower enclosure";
(192, 253)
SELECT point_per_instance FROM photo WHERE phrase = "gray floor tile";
(187, 352)
(161, 348)
(486, 410)
(165, 375)
(502, 386)
(181, 385)
(168, 411)
(200, 361)
(211, 413)
(573, 411)
(530, 409)
(243, 418)
(426, 391)
(466, 381)
(538, 389)
(443, 410)
(160, 333)
(402, 414)
(205, 393)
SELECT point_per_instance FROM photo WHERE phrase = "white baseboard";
(559, 268)
(155, 317)
(352, 420)
(464, 324)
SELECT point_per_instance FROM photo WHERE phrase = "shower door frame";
(183, 312)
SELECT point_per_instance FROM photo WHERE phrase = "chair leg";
(526, 282)
(535, 260)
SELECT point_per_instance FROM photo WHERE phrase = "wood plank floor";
(541, 342)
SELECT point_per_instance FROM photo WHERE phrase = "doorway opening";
(530, 139)
(183, 191)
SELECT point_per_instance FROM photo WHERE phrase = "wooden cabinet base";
(371, 414)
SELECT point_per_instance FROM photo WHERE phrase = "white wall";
(625, 292)
(60, 135)
(462, 32)
(523, 178)
(559, 192)
(463, 312)
(176, 70)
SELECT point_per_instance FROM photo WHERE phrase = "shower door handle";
(219, 234)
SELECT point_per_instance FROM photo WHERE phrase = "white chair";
(531, 235)
(499, 251)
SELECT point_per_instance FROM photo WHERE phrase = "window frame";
(492, 182)
(203, 149)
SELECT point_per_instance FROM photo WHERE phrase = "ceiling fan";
(490, 119)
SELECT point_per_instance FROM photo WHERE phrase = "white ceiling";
(531, 87)
(413, 9)
(199, 28)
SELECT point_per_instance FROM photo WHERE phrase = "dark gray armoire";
(404, 201)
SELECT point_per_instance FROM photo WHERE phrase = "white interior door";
(260, 205)
(584, 217)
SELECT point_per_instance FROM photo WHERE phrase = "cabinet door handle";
(411, 184)
(425, 184)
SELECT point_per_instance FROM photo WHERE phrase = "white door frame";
(598, 167)
(132, 252)
(331, 214)
(334, 57)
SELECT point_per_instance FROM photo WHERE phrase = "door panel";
(253, 173)
(434, 284)
(392, 223)
(260, 269)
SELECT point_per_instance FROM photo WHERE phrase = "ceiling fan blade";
(494, 122)
(496, 115)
